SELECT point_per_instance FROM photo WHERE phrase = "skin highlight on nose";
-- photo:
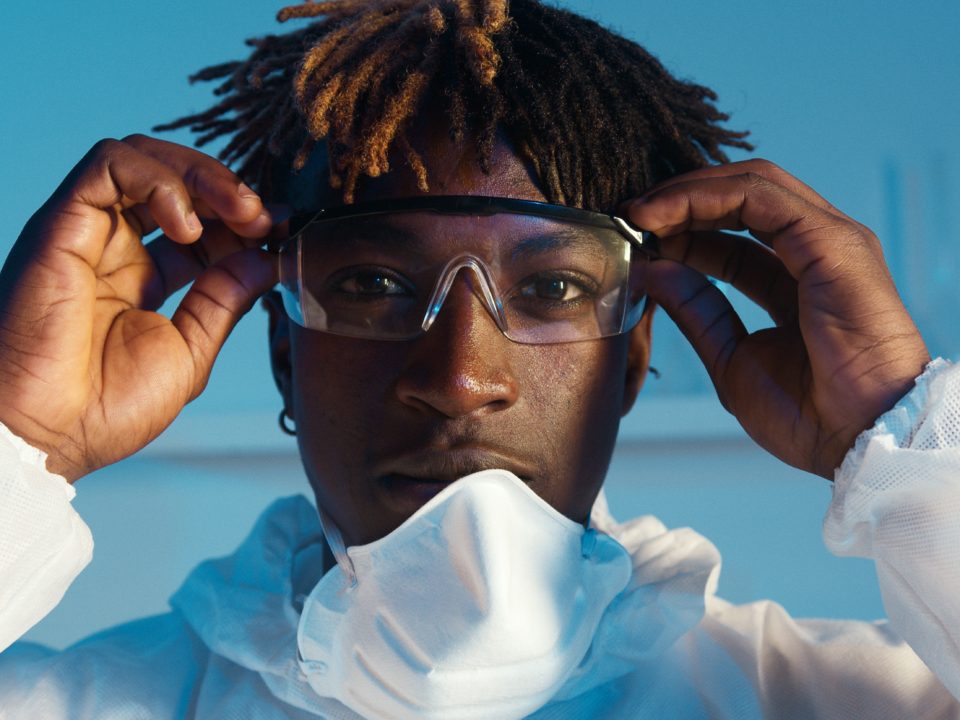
(458, 368)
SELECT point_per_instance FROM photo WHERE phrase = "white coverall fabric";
(667, 647)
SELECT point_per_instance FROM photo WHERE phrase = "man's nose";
(462, 364)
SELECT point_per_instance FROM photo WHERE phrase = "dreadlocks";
(597, 116)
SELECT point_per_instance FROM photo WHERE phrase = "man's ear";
(638, 357)
(279, 337)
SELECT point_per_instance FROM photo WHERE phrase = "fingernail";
(244, 191)
(193, 222)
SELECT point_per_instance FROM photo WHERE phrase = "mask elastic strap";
(335, 540)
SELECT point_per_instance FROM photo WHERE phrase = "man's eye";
(372, 283)
(557, 289)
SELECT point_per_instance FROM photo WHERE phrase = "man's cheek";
(568, 397)
(574, 378)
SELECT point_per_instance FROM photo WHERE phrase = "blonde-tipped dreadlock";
(596, 115)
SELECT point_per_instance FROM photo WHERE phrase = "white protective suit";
(228, 649)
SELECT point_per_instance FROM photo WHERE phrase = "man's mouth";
(409, 493)
(413, 479)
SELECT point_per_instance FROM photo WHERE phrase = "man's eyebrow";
(400, 237)
(550, 242)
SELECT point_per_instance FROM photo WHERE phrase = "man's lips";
(444, 466)
(412, 479)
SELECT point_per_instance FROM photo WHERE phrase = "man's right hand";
(89, 372)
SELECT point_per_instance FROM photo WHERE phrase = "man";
(443, 313)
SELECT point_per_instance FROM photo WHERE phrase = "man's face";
(380, 422)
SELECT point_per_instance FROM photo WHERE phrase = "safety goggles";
(545, 273)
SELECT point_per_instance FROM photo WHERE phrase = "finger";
(703, 314)
(743, 263)
(216, 189)
(216, 301)
(177, 265)
(807, 239)
(139, 216)
(762, 168)
(114, 175)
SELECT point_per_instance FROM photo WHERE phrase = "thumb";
(703, 314)
(216, 301)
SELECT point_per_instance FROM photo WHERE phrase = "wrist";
(42, 447)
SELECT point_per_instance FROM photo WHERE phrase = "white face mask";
(480, 605)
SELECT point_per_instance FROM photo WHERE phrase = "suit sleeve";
(897, 501)
(44, 544)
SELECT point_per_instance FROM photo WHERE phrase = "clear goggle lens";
(545, 273)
